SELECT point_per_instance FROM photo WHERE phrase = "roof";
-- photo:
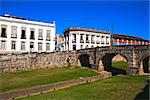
(127, 37)
(86, 30)
(10, 18)
(15, 17)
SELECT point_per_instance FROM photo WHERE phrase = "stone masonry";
(100, 57)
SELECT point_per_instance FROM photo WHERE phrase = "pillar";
(101, 66)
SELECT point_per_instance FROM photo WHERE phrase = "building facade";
(79, 38)
(23, 35)
(118, 39)
(59, 43)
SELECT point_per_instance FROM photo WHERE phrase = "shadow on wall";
(84, 60)
(144, 95)
(146, 65)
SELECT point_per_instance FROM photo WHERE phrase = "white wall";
(28, 24)
(78, 44)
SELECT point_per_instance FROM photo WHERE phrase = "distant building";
(79, 38)
(59, 43)
(118, 39)
(23, 35)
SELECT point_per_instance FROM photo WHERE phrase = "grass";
(115, 88)
(120, 65)
(27, 79)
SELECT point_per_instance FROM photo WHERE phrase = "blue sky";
(129, 17)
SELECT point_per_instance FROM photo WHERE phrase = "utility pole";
(112, 30)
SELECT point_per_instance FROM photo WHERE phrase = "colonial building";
(23, 35)
(118, 39)
(59, 43)
(79, 38)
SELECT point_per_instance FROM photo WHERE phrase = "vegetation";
(117, 87)
(120, 65)
(27, 79)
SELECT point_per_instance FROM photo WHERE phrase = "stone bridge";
(137, 58)
(99, 58)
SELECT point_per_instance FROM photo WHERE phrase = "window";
(81, 38)
(3, 31)
(32, 33)
(13, 31)
(87, 37)
(98, 39)
(13, 45)
(40, 46)
(74, 47)
(23, 33)
(74, 38)
(22, 45)
(47, 46)
(92, 46)
(92, 39)
(48, 35)
(31, 46)
(3, 45)
(102, 40)
(107, 40)
(86, 46)
(62, 48)
(81, 47)
(40, 37)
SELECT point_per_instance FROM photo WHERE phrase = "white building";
(80, 38)
(23, 35)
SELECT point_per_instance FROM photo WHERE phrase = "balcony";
(73, 41)
(107, 42)
(81, 41)
(13, 35)
(32, 38)
(48, 39)
(40, 38)
(92, 41)
(102, 42)
(97, 42)
(87, 41)
(3, 36)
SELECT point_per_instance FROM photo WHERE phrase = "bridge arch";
(105, 62)
(143, 63)
(85, 60)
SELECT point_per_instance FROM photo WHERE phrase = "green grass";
(120, 65)
(18, 80)
(115, 88)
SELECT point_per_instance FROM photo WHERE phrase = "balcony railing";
(102, 42)
(97, 42)
(81, 41)
(73, 41)
(87, 41)
(48, 39)
(40, 38)
(92, 41)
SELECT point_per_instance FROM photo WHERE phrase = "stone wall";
(25, 61)
(100, 56)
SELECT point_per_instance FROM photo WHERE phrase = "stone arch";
(85, 60)
(143, 63)
(105, 61)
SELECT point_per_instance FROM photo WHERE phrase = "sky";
(130, 17)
